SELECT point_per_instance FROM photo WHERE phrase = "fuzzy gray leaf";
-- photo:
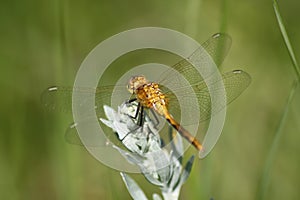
(134, 190)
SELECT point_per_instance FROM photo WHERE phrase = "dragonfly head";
(135, 82)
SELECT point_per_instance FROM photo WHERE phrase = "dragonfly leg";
(156, 123)
(139, 113)
(142, 114)
(131, 100)
(137, 110)
(132, 131)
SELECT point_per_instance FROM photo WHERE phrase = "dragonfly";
(155, 95)
(149, 95)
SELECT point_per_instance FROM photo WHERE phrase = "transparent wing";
(91, 140)
(217, 47)
(60, 98)
(235, 82)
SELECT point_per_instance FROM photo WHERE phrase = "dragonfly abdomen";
(183, 132)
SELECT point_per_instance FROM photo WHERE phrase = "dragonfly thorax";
(148, 94)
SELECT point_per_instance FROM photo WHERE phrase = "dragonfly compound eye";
(136, 82)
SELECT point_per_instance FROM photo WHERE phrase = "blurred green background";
(44, 42)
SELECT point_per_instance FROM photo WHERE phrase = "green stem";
(275, 146)
(286, 39)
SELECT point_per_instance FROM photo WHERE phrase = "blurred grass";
(43, 44)
(263, 188)
(275, 145)
(286, 39)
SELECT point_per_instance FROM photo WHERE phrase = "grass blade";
(275, 145)
(286, 39)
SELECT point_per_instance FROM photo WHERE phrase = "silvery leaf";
(134, 190)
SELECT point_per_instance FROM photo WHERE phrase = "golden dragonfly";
(163, 101)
